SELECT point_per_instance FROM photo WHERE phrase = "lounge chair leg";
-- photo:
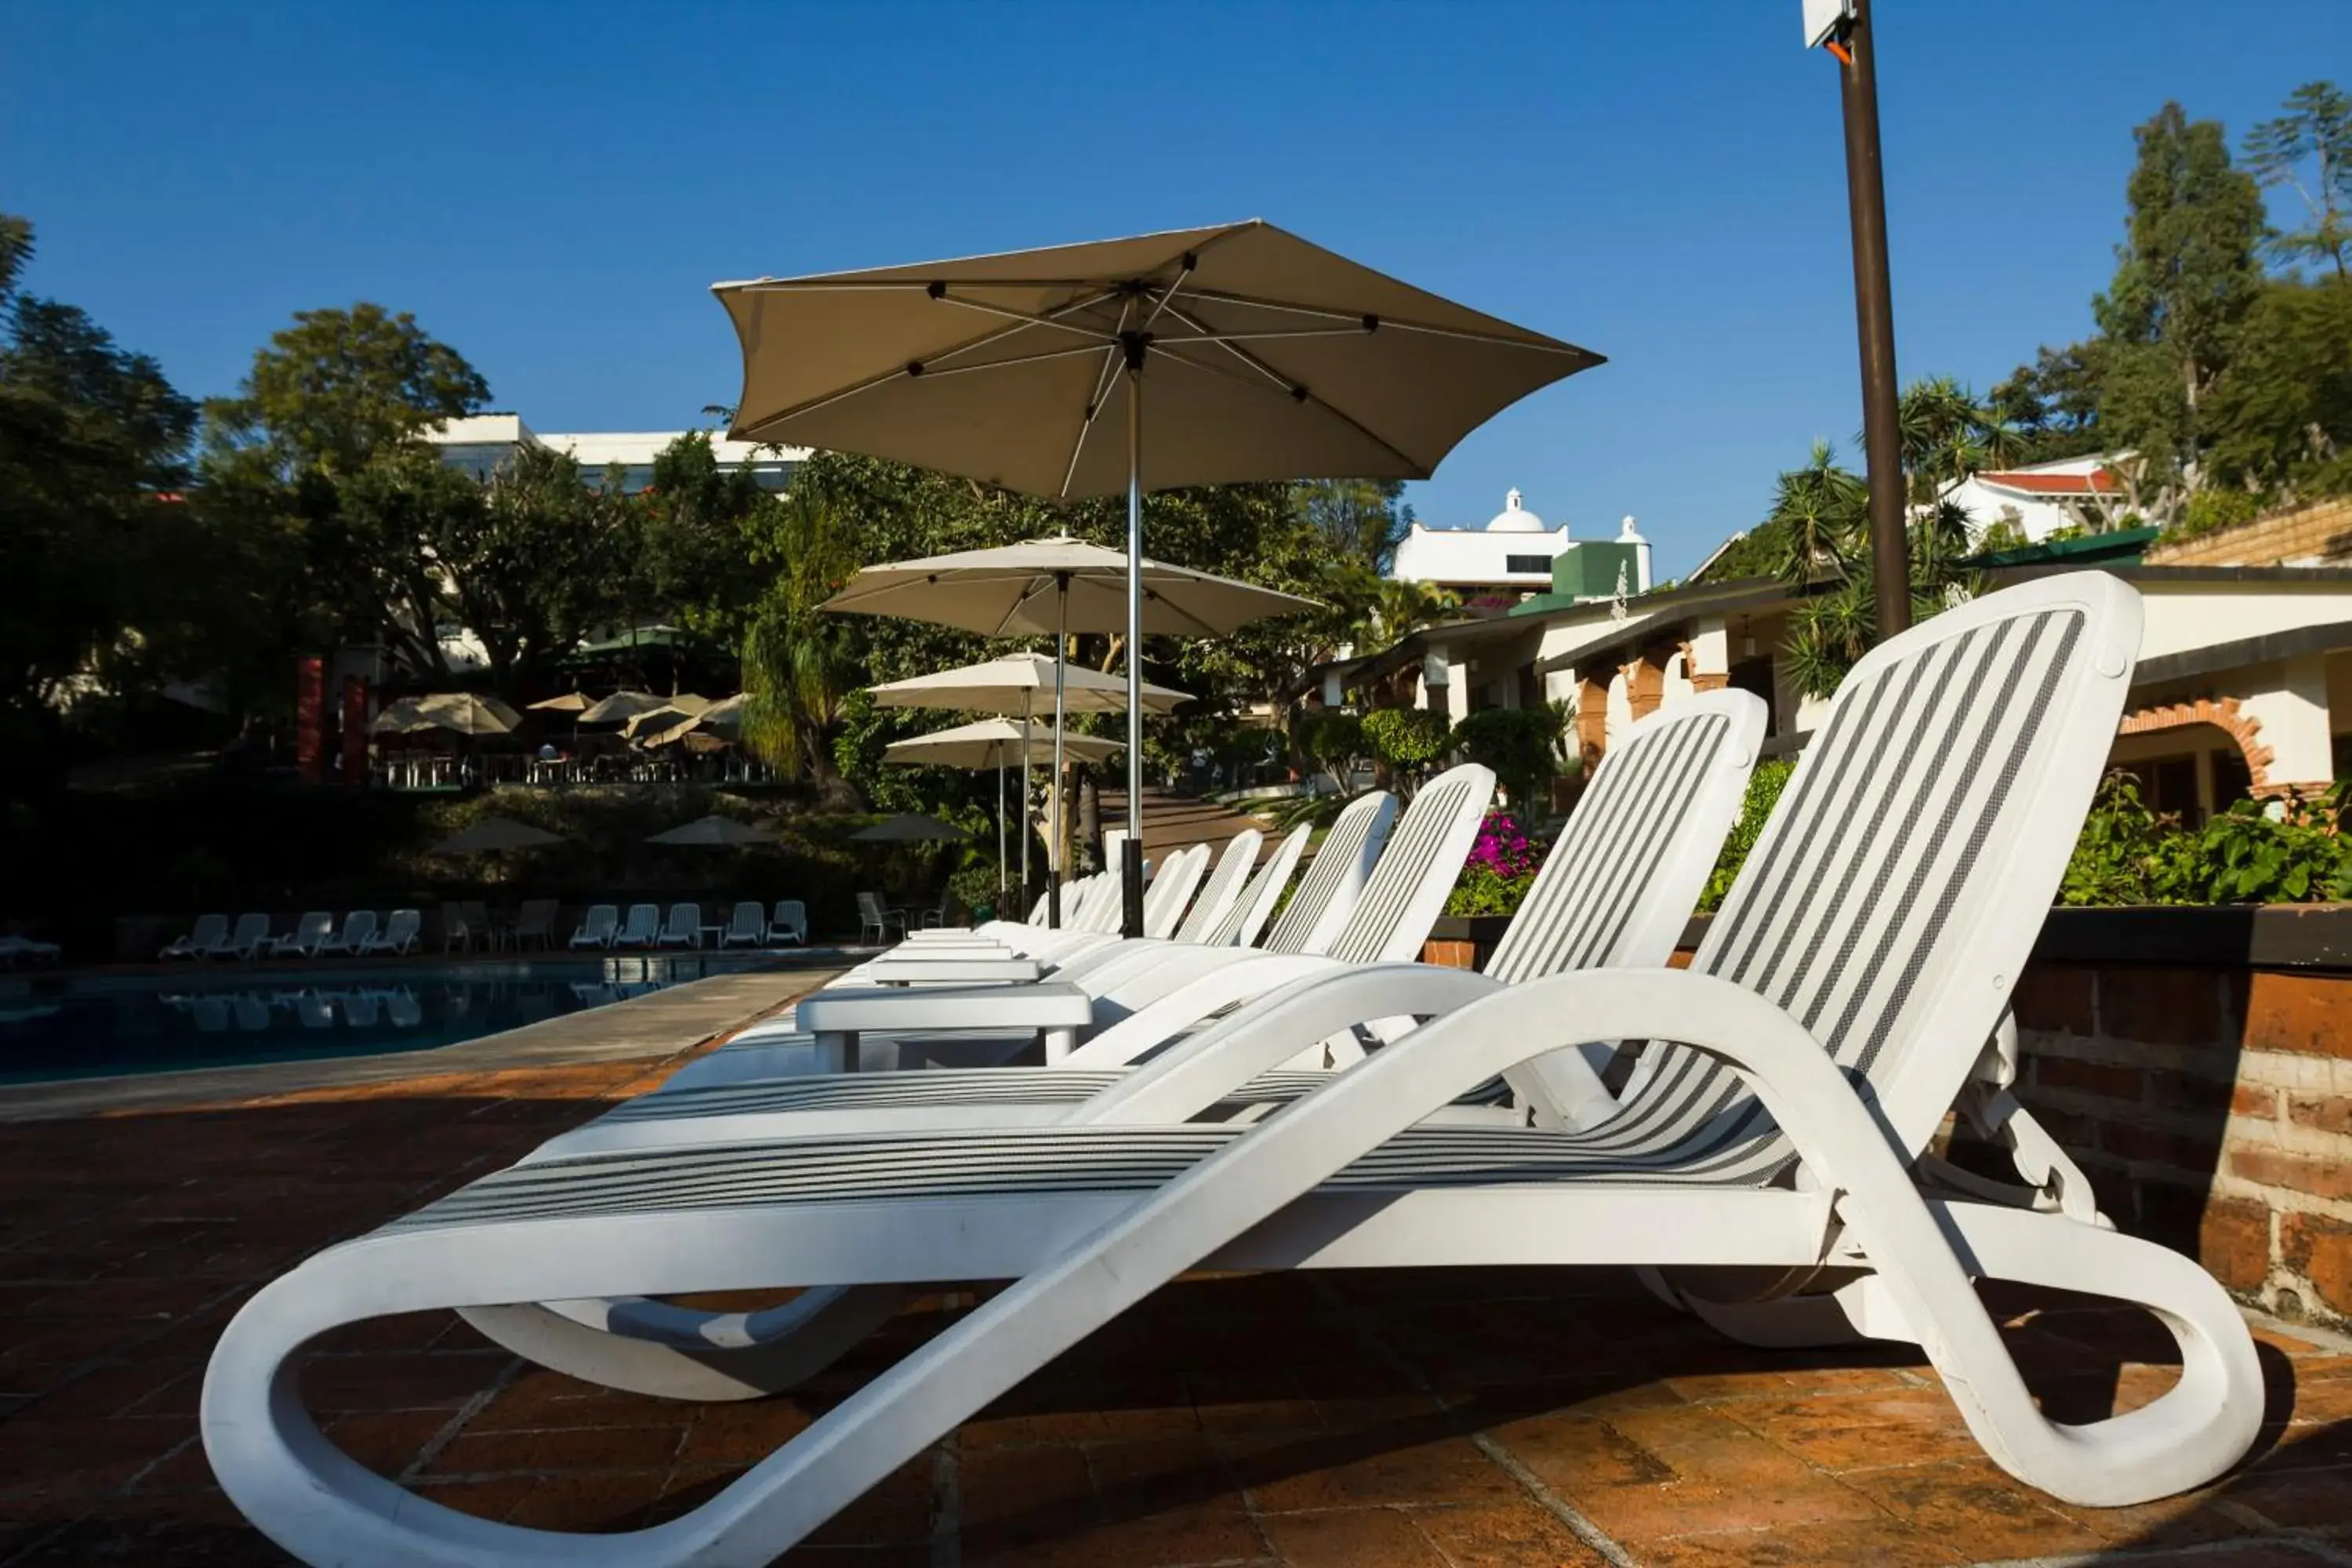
(677, 1353)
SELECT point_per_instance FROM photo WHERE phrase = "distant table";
(712, 936)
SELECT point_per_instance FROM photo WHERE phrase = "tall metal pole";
(1000, 834)
(1055, 850)
(1131, 851)
(1027, 885)
(1874, 308)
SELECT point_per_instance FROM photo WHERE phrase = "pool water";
(85, 1026)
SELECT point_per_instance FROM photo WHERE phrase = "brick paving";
(1486, 1418)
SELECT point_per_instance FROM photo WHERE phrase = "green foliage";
(1521, 745)
(2309, 150)
(1484, 890)
(2052, 405)
(1405, 740)
(1359, 522)
(338, 387)
(2209, 512)
(1332, 741)
(1320, 810)
(1764, 787)
(798, 666)
(2127, 854)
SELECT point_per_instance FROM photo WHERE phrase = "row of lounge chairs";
(750, 925)
(1763, 1159)
(315, 935)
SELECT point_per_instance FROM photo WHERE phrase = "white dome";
(1515, 517)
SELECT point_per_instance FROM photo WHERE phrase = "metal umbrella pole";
(1131, 851)
(1025, 883)
(1000, 830)
(1054, 850)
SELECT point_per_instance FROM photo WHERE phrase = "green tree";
(798, 666)
(2281, 421)
(339, 387)
(2052, 405)
(92, 438)
(2185, 276)
(2308, 149)
(1360, 522)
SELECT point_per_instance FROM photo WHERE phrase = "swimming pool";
(90, 1025)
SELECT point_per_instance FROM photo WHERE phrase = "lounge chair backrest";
(751, 919)
(1900, 884)
(207, 931)
(643, 924)
(404, 926)
(250, 928)
(1172, 890)
(1223, 890)
(870, 907)
(453, 923)
(1335, 878)
(1038, 911)
(1619, 884)
(1423, 858)
(315, 927)
(601, 920)
(358, 926)
(685, 919)
(1250, 912)
(792, 915)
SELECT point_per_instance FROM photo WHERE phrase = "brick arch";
(1713, 680)
(2222, 713)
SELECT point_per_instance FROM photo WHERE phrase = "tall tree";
(339, 387)
(2186, 276)
(2052, 405)
(1361, 521)
(92, 438)
(2308, 149)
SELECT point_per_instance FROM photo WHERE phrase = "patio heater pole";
(1131, 850)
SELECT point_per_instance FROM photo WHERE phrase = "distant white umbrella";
(714, 832)
(621, 707)
(463, 712)
(1060, 586)
(996, 743)
(570, 702)
(492, 834)
(1011, 685)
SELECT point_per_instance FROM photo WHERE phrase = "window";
(1541, 564)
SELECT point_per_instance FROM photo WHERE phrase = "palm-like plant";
(797, 668)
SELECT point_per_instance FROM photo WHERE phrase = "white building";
(1511, 554)
(2042, 498)
(478, 443)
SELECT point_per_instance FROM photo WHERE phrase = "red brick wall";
(2211, 1110)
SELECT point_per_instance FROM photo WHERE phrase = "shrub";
(1331, 741)
(1521, 745)
(2129, 855)
(1406, 740)
(1500, 868)
(1764, 787)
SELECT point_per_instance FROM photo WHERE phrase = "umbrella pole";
(1000, 830)
(1053, 851)
(1131, 852)
(1025, 883)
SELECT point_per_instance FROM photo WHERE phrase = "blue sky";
(552, 188)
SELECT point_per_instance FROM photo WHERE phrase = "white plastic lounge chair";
(201, 939)
(1222, 888)
(1616, 889)
(642, 929)
(1869, 944)
(791, 922)
(685, 927)
(598, 928)
(15, 950)
(244, 941)
(1174, 886)
(1255, 906)
(748, 926)
(1134, 995)
(400, 933)
(309, 937)
(359, 927)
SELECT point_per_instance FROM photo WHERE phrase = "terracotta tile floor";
(1465, 1418)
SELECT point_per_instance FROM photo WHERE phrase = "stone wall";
(2320, 532)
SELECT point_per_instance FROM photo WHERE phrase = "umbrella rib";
(1050, 319)
(1037, 358)
(1095, 406)
(1384, 323)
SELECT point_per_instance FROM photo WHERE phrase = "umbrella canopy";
(996, 743)
(714, 831)
(570, 702)
(621, 706)
(1264, 358)
(1010, 685)
(465, 712)
(911, 828)
(1017, 590)
(638, 726)
(727, 713)
(492, 834)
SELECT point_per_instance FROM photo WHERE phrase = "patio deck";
(1491, 1418)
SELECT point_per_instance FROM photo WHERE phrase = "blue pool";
(83, 1026)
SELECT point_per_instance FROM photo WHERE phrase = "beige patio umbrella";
(570, 702)
(714, 832)
(997, 685)
(492, 834)
(621, 706)
(996, 743)
(465, 712)
(1020, 589)
(1266, 357)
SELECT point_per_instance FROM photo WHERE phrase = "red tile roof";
(2098, 482)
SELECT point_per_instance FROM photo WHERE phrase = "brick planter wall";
(2198, 1065)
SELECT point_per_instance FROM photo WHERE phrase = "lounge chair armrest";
(1203, 1068)
(952, 971)
(1050, 1005)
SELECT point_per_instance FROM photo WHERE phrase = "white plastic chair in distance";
(400, 933)
(309, 935)
(246, 939)
(747, 926)
(358, 927)
(640, 928)
(200, 940)
(685, 927)
(598, 926)
(791, 922)
(1870, 940)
